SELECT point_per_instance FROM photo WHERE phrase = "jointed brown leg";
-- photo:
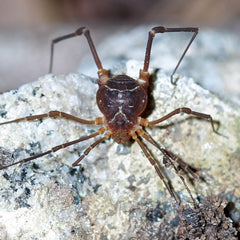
(158, 170)
(79, 32)
(161, 29)
(184, 166)
(54, 114)
(183, 110)
(54, 149)
(170, 157)
(86, 152)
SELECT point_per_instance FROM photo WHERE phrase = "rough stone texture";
(115, 194)
(209, 221)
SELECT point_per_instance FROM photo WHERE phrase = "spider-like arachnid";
(122, 101)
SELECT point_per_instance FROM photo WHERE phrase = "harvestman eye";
(121, 100)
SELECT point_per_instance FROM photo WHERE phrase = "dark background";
(27, 27)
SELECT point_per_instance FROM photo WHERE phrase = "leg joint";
(185, 110)
(53, 114)
(81, 31)
(159, 29)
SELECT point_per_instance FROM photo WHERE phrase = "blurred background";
(27, 28)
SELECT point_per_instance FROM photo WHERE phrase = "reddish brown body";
(121, 100)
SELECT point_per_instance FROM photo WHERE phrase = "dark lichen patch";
(22, 200)
(80, 175)
(14, 92)
(35, 148)
(3, 112)
(35, 166)
(78, 180)
(72, 171)
(18, 152)
(21, 99)
(20, 183)
(27, 191)
(23, 175)
(77, 200)
(6, 176)
(35, 90)
(96, 187)
(155, 215)
(49, 132)
(148, 222)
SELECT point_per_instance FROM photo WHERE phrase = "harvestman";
(122, 100)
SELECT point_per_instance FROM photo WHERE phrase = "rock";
(111, 193)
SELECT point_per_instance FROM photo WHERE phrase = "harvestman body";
(122, 100)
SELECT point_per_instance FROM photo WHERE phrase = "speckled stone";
(115, 193)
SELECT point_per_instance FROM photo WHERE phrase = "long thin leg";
(170, 159)
(183, 110)
(162, 29)
(184, 166)
(78, 32)
(86, 152)
(159, 171)
(169, 156)
(54, 114)
(102, 73)
(54, 149)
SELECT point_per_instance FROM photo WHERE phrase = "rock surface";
(115, 193)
